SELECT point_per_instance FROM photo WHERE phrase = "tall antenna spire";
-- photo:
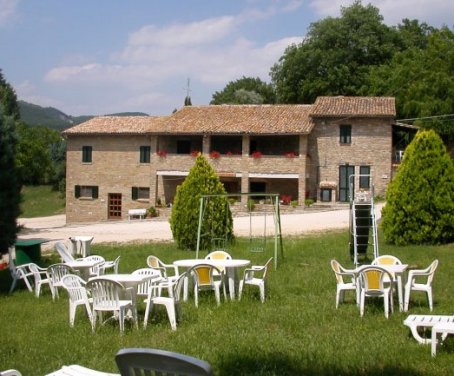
(187, 99)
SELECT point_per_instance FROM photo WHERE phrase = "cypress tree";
(217, 219)
(10, 186)
(420, 199)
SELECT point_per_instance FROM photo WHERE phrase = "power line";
(426, 117)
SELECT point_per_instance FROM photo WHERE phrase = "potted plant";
(256, 154)
(215, 154)
(162, 153)
(290, 154)
(195, 153)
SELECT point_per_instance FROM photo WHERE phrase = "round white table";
(230, 266)
(83, 266)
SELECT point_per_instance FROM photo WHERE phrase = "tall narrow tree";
(420, 199)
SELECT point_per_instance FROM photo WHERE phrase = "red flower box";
(161, 153)
(215, 154)
(256, 154)
(195, 153)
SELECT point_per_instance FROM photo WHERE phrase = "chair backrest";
(267, 268)
(144, 287)
(10, 372)
(105, 293)
(178, 285)
(116, 264)
(56, 272)
(336, 266)
(203, 274)
(75, 287)
(218, 255)
(373, 278)
(64, 253)
(386, 260)
(95, 270)
(136, 362)
(35, 270)
(155, 263)
(432, 267)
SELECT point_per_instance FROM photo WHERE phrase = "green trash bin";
(28, 250)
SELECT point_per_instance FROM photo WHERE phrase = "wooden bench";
(141, 213)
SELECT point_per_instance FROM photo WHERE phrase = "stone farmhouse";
(115, 164)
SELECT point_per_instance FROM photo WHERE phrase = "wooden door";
(114, 210)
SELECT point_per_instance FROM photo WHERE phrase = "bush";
(308, 202)
(250, 204)
(152, 212)
(184, 219)
(419, 201)
(294, 203)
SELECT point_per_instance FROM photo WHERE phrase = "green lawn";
(41, 201)
(297, 331)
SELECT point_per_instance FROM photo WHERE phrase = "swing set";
(262, 225)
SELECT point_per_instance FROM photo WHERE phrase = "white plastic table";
(83, 266)
(81, 245)
(230, 266)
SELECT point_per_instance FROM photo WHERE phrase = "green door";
(344, 180)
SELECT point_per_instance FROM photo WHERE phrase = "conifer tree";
(10, 186)
(420, 199)
(217, 218)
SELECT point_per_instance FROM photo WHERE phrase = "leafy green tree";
(217, 218)
(34, 156)
(246, 90)
(422, 80)
(8, 99)
(10, 185)
(335, 56)
(420, 199)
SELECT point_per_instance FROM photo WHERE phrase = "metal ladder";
(362, 221)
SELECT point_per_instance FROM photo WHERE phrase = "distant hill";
(51, 117)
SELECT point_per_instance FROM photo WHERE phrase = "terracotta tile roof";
(223, 119)
(117, 125)
(241, 119)
(354, 106)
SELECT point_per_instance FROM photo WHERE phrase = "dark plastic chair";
(137, 362)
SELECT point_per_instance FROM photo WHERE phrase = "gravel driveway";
(55, 229)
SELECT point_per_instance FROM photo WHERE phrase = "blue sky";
(94, 57)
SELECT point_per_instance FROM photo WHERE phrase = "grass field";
(41, 201)
(297, 331)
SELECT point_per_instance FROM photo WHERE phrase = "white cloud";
(210, 52)
(434, 12)
(7, 11)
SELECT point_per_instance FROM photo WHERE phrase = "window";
(140, 193)
(87, 154)
(345, 134)
(183, 146)
(325, 194)
(86, 191)
(364, 181)
(145, 152)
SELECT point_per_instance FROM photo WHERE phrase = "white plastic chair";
(98, 269)
(172, 303)
(19, 272)
(77, 296)
(152, 283)
(208, 277)
(169, 273)
(10, 372)
(256, 276)
(134, 362)
(55, 273)
(106, 298)
(111, 265)
(341, 285)
(218, 255)
(38, 274)
(413, 285)
(442, 329)
(64, 252)
(373, 284)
